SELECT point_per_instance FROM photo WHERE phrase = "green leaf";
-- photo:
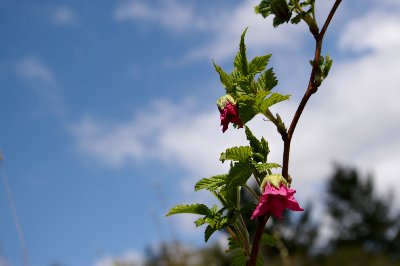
(239, 174)
(228, 195)
(278, 21)
(267, 240)
(196, 208)
(200, 221)
(225, 79)
(254, 142)
(264, 167)
(271, 100)
(241, 153)
(238, 258)
(232, 244)
(296, 19)
(240, 62)
(208, 232)
(258, 64)
(246, 109)
(263, 8)
(267, 80)
(211, 183)
(327, 66)
(281, 11)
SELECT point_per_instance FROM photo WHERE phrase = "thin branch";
(329, 18)
(251, 191)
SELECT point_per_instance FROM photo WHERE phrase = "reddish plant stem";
(287, 136)
(257, 240)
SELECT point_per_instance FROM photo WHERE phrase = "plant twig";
(287, 136)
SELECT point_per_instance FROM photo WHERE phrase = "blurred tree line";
(354, 226)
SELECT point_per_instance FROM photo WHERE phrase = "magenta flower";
(274, 201)
(229, 114)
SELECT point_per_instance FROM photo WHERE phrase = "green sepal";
(275, 180)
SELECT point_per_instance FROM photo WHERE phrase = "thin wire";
(17, 223)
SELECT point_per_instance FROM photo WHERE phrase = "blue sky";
(108, 116)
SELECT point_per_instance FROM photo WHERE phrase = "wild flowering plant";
(248, 92)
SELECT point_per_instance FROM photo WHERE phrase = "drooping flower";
(229, 112)
(274, 201)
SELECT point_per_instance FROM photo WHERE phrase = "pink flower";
(274, 201)
(229, 114)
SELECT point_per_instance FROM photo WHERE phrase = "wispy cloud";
(220, 28)
(130, 257)
(31, 68)
(64, 16)
(172, 15)
(39, 78)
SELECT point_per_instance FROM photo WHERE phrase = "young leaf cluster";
(250, 84)
(324, 65)
(292, 10)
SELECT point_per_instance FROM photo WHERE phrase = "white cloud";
(40, 79)
(383, 32)
(221, 28)
(64, 16)
(354, 119)
(31, 68)
(130, 257)
(225, 28)
(172, 15)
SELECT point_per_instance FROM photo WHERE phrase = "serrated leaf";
(225, 79)
(264, 167)
(241, 153)
(267, 240)
(239, 174)
(267, 80)
(263, 8)
(228, 195)
(254, 142)
(258, 64)
(196, 208)
(211, 183)
(327, 66)
(208, 233)
(200, 221)
(296, 19)
(278, 21)
(238, 258)
(271, 100)
(240, 62)
(232, 244)
(247, 110)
